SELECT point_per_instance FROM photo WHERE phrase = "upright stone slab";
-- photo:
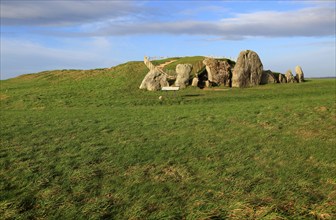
(148, 63)
(219, 71)
(183, 75)
(248, 70)
(282, 78)
(268, 77)
(224, 69)
(195, 81)
(154, 80)
(289, 76)
(299, 74)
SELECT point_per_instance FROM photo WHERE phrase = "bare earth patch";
(307, 134)
(321, 109)
(165, 64)
(3, 96)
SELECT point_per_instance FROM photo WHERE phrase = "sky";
(54, 34)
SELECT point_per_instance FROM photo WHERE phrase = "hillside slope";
(66, 88)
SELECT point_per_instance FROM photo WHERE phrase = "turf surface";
(89, 144)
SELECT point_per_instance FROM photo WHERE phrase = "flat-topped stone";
(170, 88)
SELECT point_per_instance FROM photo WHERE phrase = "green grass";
(195, 61)
(158, 62)
(90, 145)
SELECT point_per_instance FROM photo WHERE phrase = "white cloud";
(63, 13)
(305, 22)
(118, 18)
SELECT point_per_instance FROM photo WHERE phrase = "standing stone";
(224, 69)
(183, 75)
(268, 77)
(148, 63)
(299, 74)
(219, 71)
(195, 81)
(154, 80)
(296, 79)
(211, 66)
(282, 78)
(289, 76)
(248, 70)
(207, 84)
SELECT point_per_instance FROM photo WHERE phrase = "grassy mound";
(196, 61)
(90, 144)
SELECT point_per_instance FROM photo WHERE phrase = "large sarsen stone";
(248, 70)
(268, 77)
(154, 80)
(299, 74)
(183, 75)
(219, 71)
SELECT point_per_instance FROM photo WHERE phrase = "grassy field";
(90, 145)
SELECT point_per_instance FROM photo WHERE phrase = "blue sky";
(47, 35)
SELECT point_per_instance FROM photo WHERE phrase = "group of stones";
(246, 72)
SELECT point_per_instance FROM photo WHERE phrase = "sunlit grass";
(89, 144)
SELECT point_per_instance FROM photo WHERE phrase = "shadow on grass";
(193, 95)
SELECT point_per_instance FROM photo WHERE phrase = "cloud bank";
(64, 13)
(121, 18)
(309, 22)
